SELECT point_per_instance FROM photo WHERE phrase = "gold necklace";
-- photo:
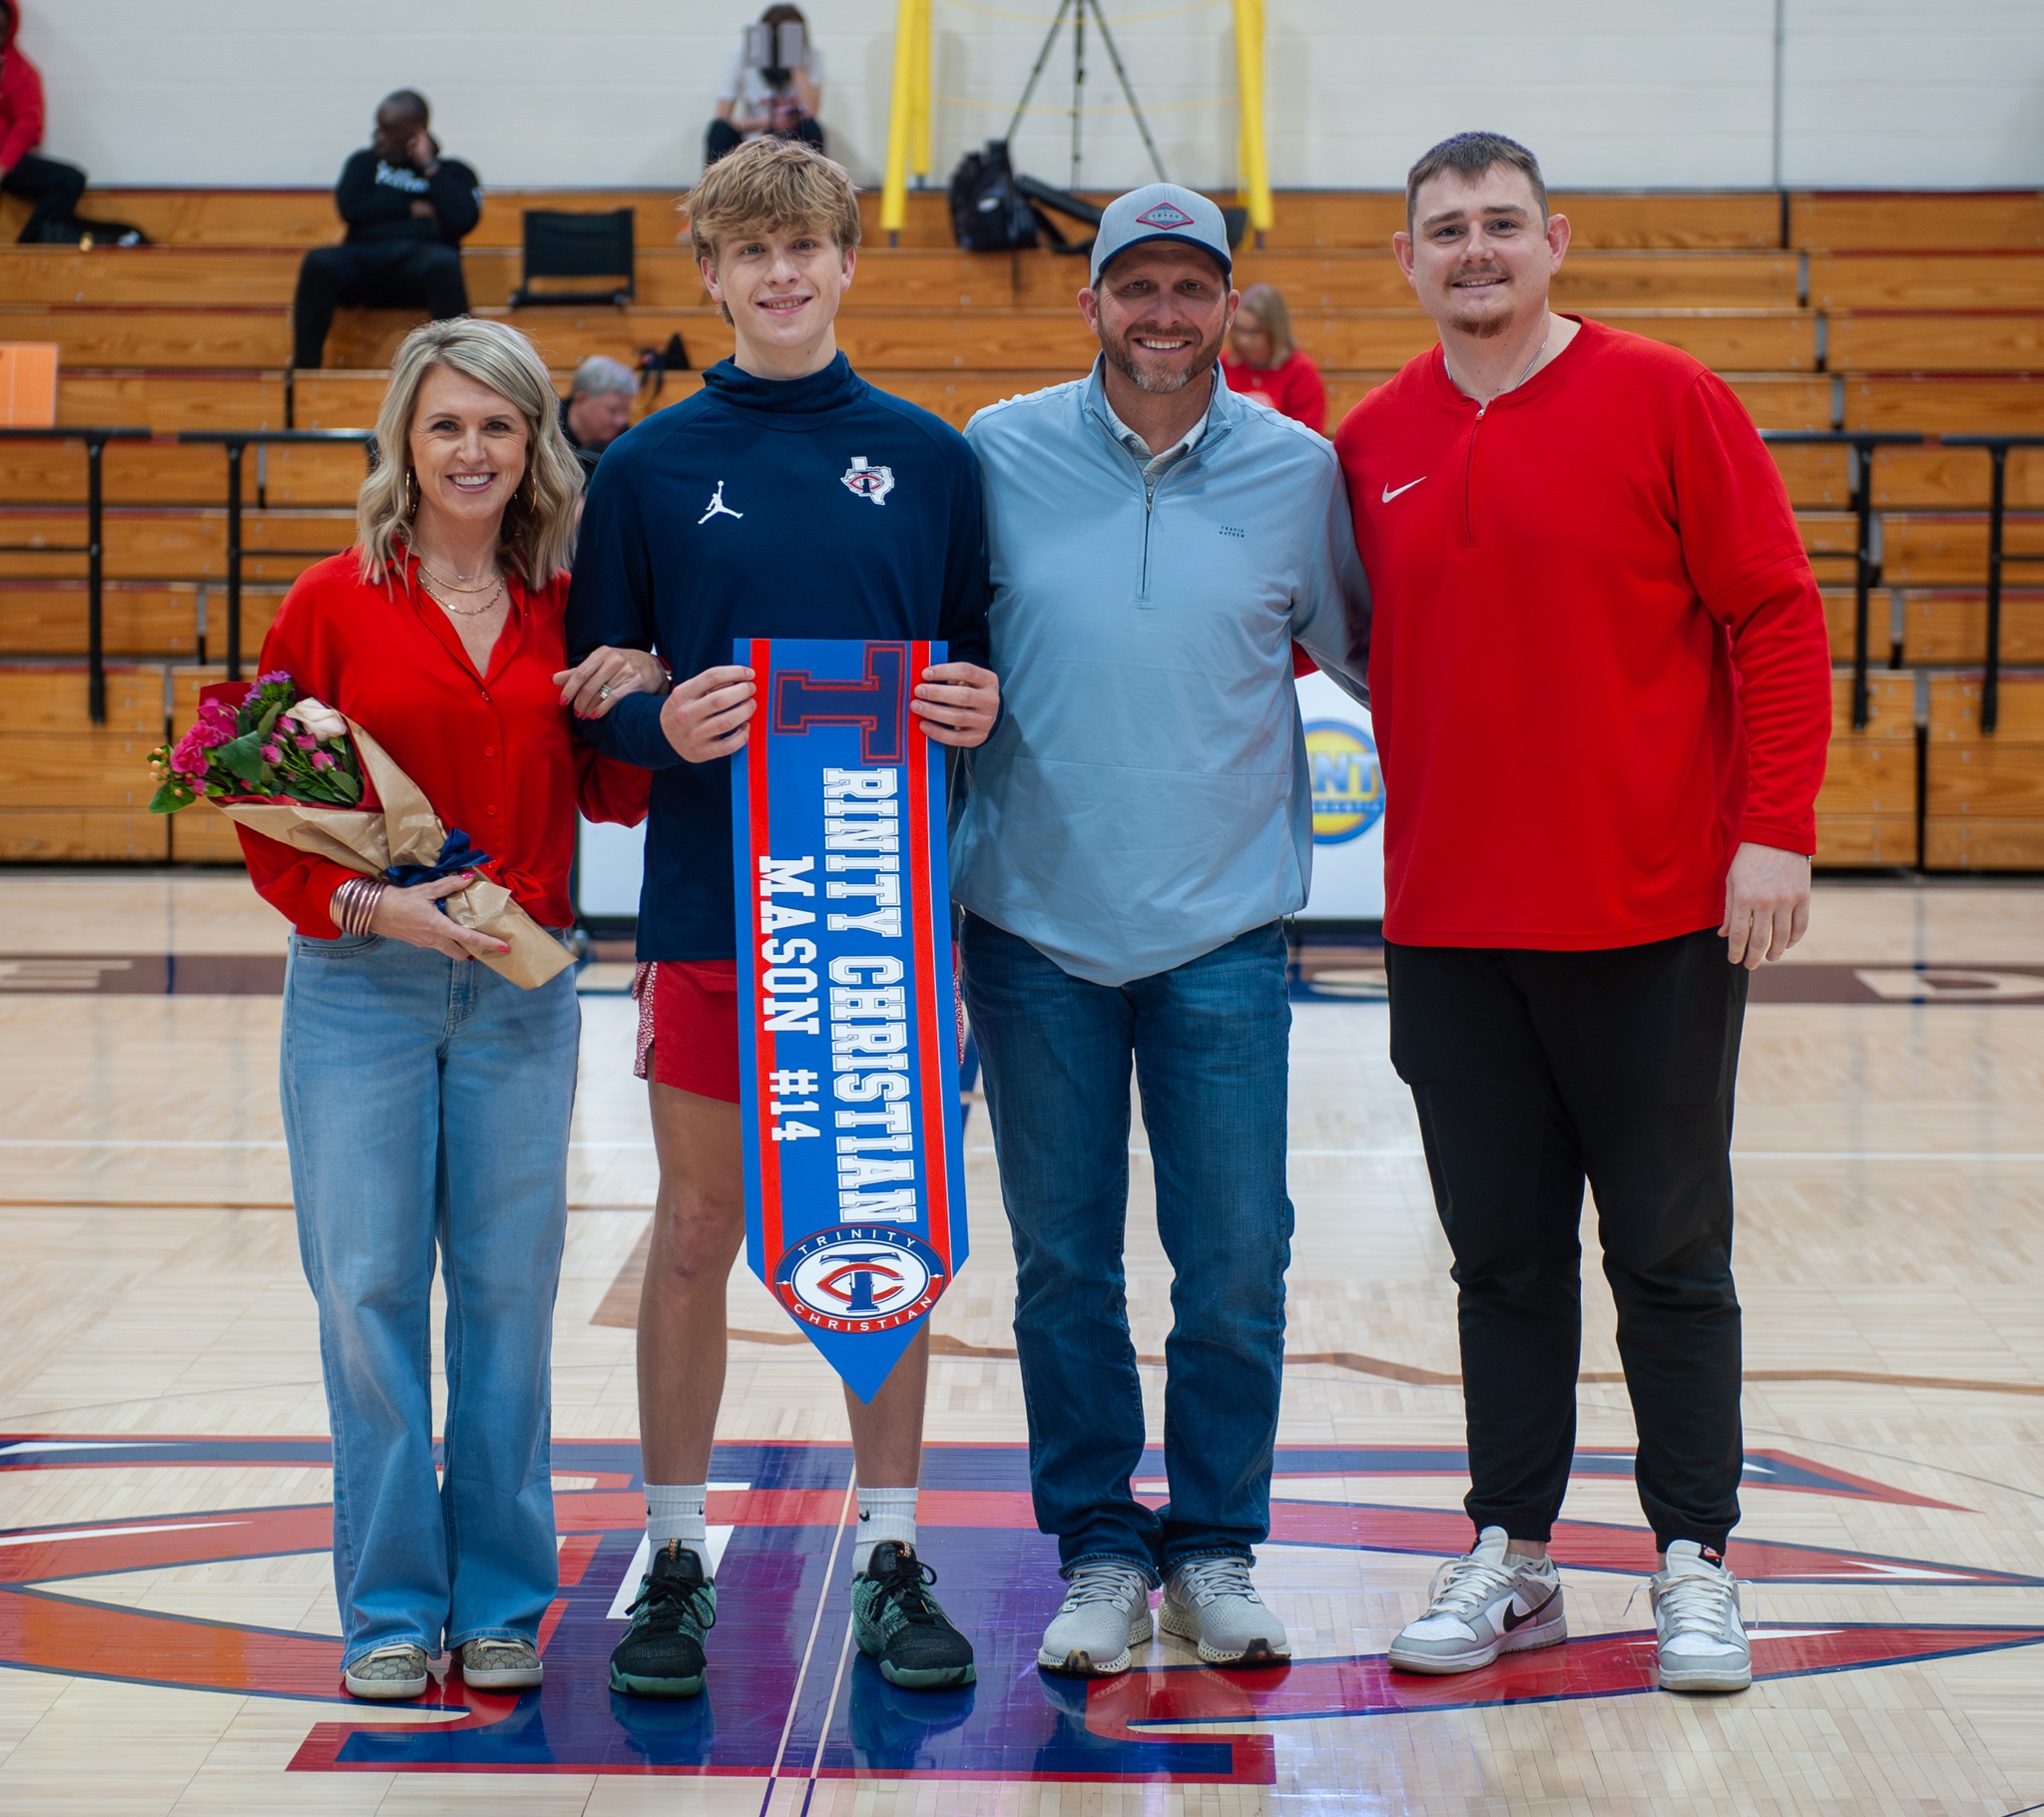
(465, 612)
(455, 586)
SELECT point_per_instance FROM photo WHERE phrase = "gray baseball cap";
(1159, 211)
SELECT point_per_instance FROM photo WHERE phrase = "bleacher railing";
(1863, 442)
(93, 548)
(237, 442)
(1999, 557)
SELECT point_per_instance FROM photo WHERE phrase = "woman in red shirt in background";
(427, 1099)
(1263, 363)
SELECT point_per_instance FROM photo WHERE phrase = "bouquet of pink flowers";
(293, 769)
(259, 739)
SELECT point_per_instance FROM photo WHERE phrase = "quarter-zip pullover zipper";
(1469, 481)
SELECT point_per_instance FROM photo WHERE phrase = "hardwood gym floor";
(165, 1613)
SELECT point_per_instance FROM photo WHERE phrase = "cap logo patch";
(1165, 214)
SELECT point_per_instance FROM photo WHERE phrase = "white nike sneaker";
(1106, 1611)
(1212, 1603)
(1701, 1641)
(1479, 1607)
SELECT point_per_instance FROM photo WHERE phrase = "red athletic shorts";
(688, 1026)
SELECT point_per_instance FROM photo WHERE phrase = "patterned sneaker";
(1696, 1620)
(1479, 1607)
(501, 1665)
(898, 1622)
(1105, 1612)
(1213, 1603)
(661, 1654)
(388, 1675)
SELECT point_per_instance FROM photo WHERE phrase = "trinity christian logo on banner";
(854, 1180)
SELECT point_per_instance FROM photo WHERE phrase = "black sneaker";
(661, 1654)
(898, 1622)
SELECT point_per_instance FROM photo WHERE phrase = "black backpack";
(988, 214)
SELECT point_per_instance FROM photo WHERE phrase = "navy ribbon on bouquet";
(456, 856)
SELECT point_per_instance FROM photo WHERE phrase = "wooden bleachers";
(1824, 311)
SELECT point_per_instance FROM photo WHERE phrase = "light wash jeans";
(1209, 1042)
(426, 1105)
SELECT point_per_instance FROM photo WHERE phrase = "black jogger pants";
(53, 187)
(1532, 1071)
(385, 275)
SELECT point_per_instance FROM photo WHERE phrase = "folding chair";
(560, 244)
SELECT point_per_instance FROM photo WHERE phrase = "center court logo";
(1348, 788)
(858, 1277)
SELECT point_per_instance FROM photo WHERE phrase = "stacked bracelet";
(353, 905)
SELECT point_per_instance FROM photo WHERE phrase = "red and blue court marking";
(998, 1580)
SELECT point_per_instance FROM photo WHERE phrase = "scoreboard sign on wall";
(854, 1180)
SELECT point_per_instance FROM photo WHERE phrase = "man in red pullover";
(53, 188)
(1601, 693)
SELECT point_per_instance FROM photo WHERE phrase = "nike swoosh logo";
(1392, 492)
(1512, 1616)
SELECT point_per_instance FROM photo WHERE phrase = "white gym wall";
(1610, 93)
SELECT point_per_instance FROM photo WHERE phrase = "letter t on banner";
(847, 1021)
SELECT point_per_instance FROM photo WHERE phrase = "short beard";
(1482, 328)
(1122, 357)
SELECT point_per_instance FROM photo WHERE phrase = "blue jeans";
(1209, 1042)
(426, 1105)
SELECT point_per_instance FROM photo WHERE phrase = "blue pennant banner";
(848, 1018)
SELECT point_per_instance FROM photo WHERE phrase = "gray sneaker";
(501, 1665)
(1212, 1603)
(1105, 1612)
(388, 1675)
(1702, 1643)
(1479, 1607)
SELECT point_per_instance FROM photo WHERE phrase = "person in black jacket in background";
(406, 209)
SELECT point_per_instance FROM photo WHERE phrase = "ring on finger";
(602, 692)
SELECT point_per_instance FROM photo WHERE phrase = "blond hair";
(773, 186)
(1266, 306)
(538, 526)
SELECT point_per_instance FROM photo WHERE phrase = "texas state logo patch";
(868, 481)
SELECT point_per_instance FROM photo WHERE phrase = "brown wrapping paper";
(405, 830)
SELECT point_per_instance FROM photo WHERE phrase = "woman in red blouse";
(427, 1099)
(1265, 365)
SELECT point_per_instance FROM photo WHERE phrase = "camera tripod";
(1076, 11)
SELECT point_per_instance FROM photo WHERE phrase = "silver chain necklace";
(1523, 376)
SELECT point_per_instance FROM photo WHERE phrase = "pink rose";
(188, 760)
(306, 744)
(271, 755)
(321, 760)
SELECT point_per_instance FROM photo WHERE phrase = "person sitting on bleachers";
(1263, 364)
(773, 84)
(406, 209)
(51, 186)
(598, 409)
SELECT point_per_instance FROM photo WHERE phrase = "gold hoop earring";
(411, 494)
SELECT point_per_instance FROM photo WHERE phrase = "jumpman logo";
(717, 508)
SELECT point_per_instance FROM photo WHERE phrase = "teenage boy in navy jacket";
(691, 519)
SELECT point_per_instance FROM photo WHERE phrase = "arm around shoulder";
(1332, 618)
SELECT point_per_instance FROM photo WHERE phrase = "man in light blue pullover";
(1132, 834)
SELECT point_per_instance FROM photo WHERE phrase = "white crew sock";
(883, 1514)
(674, 1510)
